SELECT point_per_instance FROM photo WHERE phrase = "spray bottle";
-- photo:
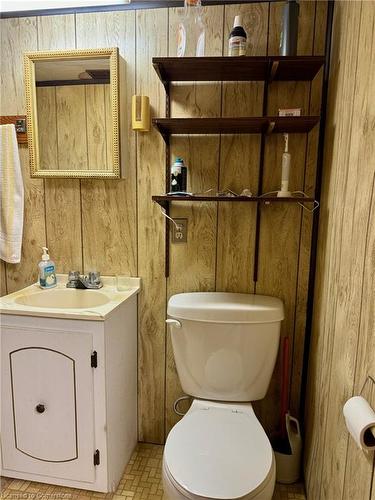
(285, 171)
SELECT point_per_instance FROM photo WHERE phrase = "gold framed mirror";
(72, 103)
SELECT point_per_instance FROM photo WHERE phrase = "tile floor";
(141, 481)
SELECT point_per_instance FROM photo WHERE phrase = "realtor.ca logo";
(18, 495)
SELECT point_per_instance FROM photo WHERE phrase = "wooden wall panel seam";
(136, 147)
(192, 264)
(45, 212)
(81, 221)
(313, 42)
(318, 461)
(268, 25)
(3, 278)
(167, 229)
(152, 29)
(62, 196)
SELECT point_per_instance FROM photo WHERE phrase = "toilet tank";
(225, 344)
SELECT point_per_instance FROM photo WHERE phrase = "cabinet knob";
(40, 408)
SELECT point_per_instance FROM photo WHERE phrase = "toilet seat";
(174, 491)
(219, 451)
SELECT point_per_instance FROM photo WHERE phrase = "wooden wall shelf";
(164, 200)
(232, 69)
(255, 68)
(251, 125)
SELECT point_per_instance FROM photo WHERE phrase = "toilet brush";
(280, 441)
(288, 445)
(284, 387)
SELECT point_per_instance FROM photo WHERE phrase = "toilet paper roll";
(360, 421)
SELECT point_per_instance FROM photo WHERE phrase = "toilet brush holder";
(288, 453)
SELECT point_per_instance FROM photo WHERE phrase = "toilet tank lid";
(223, 307)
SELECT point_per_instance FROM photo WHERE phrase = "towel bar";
(20, 122)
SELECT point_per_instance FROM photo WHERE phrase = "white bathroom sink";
(62, 302)
(64, 299)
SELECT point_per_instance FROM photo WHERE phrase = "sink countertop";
(9, 305)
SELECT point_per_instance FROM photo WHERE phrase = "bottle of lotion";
(237, 39)
(47, 271)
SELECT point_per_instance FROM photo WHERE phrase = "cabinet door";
(47, 403)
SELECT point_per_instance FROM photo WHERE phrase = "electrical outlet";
(179, 233)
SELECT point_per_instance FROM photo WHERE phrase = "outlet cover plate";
(179, 235)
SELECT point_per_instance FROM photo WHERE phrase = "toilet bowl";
(218, 451)
(225, 347)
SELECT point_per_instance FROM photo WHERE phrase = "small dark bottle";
(237, 39)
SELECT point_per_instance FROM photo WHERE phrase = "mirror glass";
(73, 114)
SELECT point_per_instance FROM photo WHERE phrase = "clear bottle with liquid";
(191, 31)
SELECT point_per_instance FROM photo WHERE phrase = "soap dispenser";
(47, 271)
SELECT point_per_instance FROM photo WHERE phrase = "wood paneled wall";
(343, 340)
(113, 226)
(75, 127)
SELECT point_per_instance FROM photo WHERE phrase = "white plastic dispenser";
(47, 271)
(285, 171)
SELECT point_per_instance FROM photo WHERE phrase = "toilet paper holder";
(369, 378)
(360, 419)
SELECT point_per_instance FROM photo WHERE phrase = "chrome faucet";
(76, 280)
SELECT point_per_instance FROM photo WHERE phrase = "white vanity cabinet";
(69, 397)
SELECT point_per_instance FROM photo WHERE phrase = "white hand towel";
(12, 196)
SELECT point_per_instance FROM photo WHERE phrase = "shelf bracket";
(161, 74)
(165, 136)
(273, 71)
(163, 204)
(270, 128)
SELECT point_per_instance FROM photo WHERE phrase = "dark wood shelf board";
(251, 125)
(256, 68)
(164, 200)
(292, 124)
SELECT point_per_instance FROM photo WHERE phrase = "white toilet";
(225, 347)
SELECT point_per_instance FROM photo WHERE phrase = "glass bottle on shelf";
(191, 31)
